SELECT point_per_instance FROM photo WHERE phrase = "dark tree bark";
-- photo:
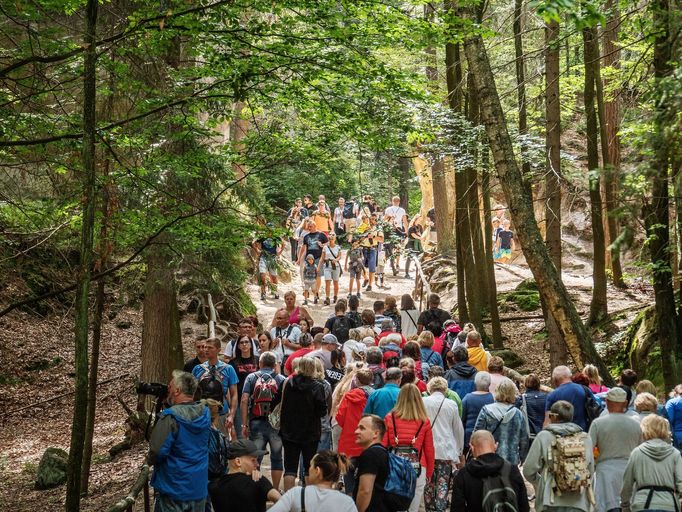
(598, 304)
(657, 216)
(521, 82)
(611, 126)
(546, 275)
(557, 346)
(405, 164)
(73, 487)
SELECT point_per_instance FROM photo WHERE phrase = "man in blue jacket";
(178, 449)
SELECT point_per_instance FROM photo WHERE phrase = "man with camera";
(178, 449)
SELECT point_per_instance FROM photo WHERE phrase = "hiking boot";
(365, 283)
(368, 289)
(262, 296)
(326, 301)
(408, 276)
(305, 302)
(335, 299)
(359, 295)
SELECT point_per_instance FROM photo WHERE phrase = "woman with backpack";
(506, 423)
(303, 405)
(409, 315)
(428, 355)
(319, 494)
(421, 368)
(408, 434)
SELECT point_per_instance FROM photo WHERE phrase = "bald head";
(482, 442)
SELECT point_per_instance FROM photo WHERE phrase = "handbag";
(275, 417)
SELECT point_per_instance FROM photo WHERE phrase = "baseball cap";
(330, 339)
(242, 448)
(616, 395)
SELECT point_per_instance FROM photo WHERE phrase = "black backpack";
(211, 384)
(354, 318)
(217, 454)
(593, 408)
(348, 210)
(433, 323)
(498, 494)
(341, 327)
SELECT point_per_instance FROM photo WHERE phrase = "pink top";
(295, 316)
(596, 388)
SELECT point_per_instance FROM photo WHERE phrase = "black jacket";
(468, 485)
(303, 404)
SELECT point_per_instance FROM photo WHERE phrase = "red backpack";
(264, 393)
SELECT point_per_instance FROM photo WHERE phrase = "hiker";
(433, 318)
(352, 313)
(331, 264)
(178, 448)
(200, 350)
(565, 389)
(409, 316)
(268, 249)
(295, 218)
(478, 356)
(495, 369)
(391, 311)
(383, 400)
(260, 395)
(532, 405)
(473, 402)
(371, 469)
(413, 246)
(429, 357)
(311, 275)
(313, 244)
(325, 353)
(244, 364)
(461, 376)
(553, 463)
(355, 266)
(487, 471)
(396, 216)
(339, 325)
(505, 244)
(305, 342)
(338, 218)
(245, 327)
(285, 335)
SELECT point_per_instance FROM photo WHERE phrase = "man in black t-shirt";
(313, 243)
(433, 318)
(371, 466)
(243, 489)
(200, 357)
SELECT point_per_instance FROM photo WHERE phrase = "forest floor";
(38, 364)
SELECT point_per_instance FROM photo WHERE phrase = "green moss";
(523, 300)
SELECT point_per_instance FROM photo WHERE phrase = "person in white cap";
(324, 353)
(614, 437)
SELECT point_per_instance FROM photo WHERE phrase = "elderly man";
(178, 449)
(382, 400)
(614, 437)
(538, 466)
(478, 356)
(287, 334)
(565, 389)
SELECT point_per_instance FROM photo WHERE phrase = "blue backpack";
(400, 483)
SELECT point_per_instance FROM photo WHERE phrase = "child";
(356, 267)
(505, 242)
(381, 263)
(496, 231)
(310, 272)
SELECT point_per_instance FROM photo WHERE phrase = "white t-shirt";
(338, 216)
(396, 213)
(316, 500)
(292, 333)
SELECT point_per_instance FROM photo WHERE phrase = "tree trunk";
(611, 124)
(239, 129)
(558, 353)
(488, 231)
(405, 165)
(657, 213)
(73, 490)
(444, 223)
(546, 275)
(521, 83)
(598, 305)
(161, 342)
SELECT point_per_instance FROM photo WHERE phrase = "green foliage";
(525, 297)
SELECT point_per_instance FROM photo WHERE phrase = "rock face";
(52, 469)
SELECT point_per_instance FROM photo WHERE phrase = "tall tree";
(611, 127)
(598, 304)
(657, 215)
(550, 286)
(81, 328)
(521, 81)
(557, 346)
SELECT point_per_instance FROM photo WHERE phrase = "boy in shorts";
(505, 242)
(381, 263)
(354, 266)
(310, 273)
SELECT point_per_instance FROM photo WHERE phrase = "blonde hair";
(496, 364)
(426, 339)
(290, 293)
(655, 427)
(213, 406)
(306, 367)
(437, 384)
(319, 369)
(646, 402)
(646, 386)
(590, 371)
(344, 385)
(505, 391)
(410, 406)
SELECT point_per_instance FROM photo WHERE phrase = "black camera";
(154, 388)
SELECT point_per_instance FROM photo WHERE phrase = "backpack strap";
(303, 497)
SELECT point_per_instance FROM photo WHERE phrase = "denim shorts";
(370, 258)
(262, 434)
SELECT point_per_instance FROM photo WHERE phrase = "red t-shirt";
(290, 360)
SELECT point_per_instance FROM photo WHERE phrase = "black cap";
(244, 447)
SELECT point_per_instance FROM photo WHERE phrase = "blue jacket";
(178, 449)
(535, 408)
(461, 379)
(673, 409)
(508, 427)
(382, 400)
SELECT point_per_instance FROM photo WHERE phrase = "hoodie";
(536, 469)
(303, 404)
(654, 462)
(461, 378)
(478, 358)
(508, 427)
(178, 449)
(349, 415)
(467, 492)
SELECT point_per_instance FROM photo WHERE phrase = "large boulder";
(52, 469)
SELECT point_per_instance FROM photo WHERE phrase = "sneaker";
(335, 299)
(368, 289)
(365, 283)
(326, 301)
(395, 272)
(305, 302)
(408, 276)
(359, 295)
(262, 296)
(315, 299)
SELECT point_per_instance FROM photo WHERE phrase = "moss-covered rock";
(511, 358)
(52, 469)
(525, 297)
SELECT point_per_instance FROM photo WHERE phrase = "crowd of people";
(389, 409)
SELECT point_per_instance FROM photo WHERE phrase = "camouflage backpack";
(568, 464)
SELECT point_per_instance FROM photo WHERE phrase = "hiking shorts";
(309, 285)
(267, 266)
(332, 274)
(370, 258)
(355, 272)
(262, 434)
